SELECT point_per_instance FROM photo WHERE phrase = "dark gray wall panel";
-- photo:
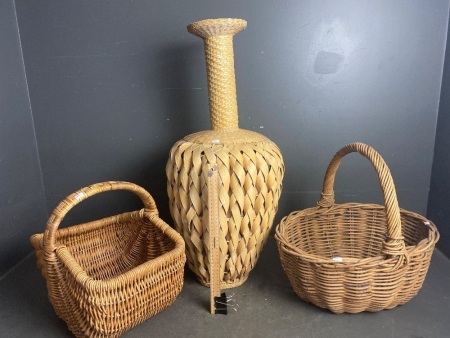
(114, 84)
(22, 199)
(439, 199)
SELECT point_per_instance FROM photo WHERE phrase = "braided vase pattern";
(250, 168)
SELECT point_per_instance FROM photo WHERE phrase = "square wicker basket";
(356, 257)
(107, 276)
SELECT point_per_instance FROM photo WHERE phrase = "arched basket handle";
(72, 200)
(394, 244)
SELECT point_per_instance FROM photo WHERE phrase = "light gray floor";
(267, 308)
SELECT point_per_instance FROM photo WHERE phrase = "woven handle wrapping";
(218, 37)
(394, 244)
(72, 200)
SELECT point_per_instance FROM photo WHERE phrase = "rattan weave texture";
(356, 257)
(250, 170)
(107, 276)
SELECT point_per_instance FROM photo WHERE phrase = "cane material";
(218, 37)
(356, 257)
(107, 276)
(250, 169)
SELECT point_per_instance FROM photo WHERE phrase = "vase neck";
(218, 37)
(223, 107)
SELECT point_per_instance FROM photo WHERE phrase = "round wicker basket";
(356, 257)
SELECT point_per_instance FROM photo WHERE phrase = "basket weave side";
(250, 176)
(356, 257)
(365, 280)
(106, 276)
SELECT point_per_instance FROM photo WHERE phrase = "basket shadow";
(24, 291)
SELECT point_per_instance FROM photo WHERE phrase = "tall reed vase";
(250, 169)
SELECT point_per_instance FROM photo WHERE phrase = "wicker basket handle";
(394, 244)
(77, 197)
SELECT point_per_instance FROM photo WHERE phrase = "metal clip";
(223, 302)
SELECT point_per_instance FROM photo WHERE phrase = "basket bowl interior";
(112, 246)
(348, 230)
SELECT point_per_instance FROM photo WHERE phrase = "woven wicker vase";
(250, 168)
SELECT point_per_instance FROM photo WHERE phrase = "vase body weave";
(250, 169)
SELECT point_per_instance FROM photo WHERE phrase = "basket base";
(225, 285)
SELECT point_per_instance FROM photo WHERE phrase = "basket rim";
(283, 244)
(82, 277)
